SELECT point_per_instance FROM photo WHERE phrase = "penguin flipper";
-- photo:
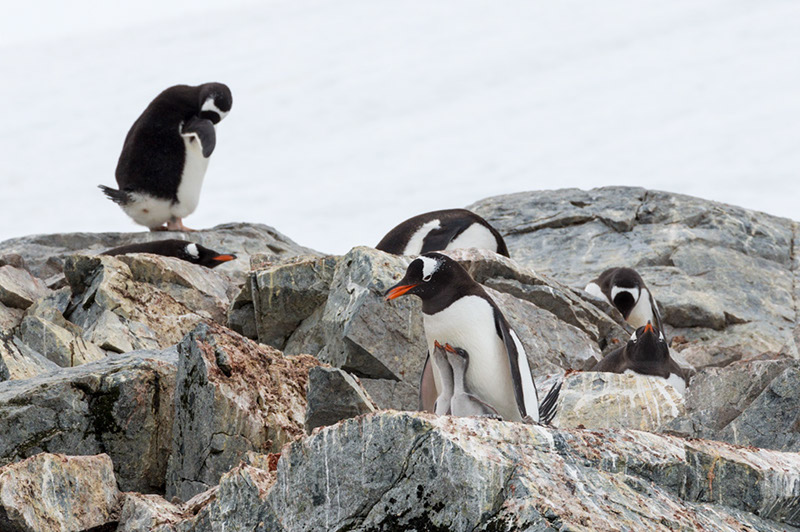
(517, 362)
(438, 239)
(427, 388)
(120, 197)
(203, 130)
(656, 314)
(547, 408)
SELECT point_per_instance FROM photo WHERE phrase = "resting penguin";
(164, 158)
(441, 230)
(458, 311)
(464, 403)
(646, 353)
(188, 251)
(625, 289)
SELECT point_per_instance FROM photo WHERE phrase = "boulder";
(18, 288)
(148, 512)
(57, 492)
(722, 275)
(599, 400)
(18, 361)
(121, 406)
(334, 395)
(232, 396)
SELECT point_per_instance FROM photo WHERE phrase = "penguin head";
(429, 276)
(216, 101)
(626, 289)
(647, 343)
(457, 357)
(197, 254)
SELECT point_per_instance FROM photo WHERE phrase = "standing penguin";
(624, 288)
(441, 230)
(458, 311)
(181, 249)
(165, 155)
(646, 353)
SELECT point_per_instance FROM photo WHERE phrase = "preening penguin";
(188, 251)
(165, 155)
(625, 289)
(646, 353)
(457, 311)
(441, 230)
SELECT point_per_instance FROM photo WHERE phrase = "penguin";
(165, 155)
(441, 230)
(646, 353)
(458, 311)
(442, 405)
(462, 402)
(188, 251)
(624, 288)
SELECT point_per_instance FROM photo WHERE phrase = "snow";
(354, 115)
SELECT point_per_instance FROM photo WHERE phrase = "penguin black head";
(432, 276)
(216, 101)
(181, 249)
(647, 344)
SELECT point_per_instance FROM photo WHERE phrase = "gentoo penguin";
(188, 251)
(441, 230)
(646, 353)
(458, 311)
(442, 405)
(462, 402)
(164, 158)
(625, 289)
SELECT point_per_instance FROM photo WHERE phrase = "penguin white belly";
(469, 324)
(148, 211)
(642, 312)
(194, 170)
(474, 236)
(414, 246)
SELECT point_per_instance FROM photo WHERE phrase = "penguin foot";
(176, 224)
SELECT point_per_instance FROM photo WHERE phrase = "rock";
(722, 275)
(57, 492)
(599, 400)
(45, 254)
(232, 396)
(442, 473)
(285, 294)
(18, 288)
(122, 406)
(334, 395)
(18, 361)
(147, 512)
(10, 319)
(242, 313)
(772, 420)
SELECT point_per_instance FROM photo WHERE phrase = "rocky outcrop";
(232, 396)
(334, 395)
(57, 492)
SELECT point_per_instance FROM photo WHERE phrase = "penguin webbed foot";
(176, 224)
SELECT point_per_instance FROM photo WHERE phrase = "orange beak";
(649, 328)
(398, 291)
(224, 258)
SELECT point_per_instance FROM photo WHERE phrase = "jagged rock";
(596, 400)
(59, 341)
(285, 294)
(57, 492)
(395, 471)
(122, 405)
(10, 319)
(722, 274)
(18, 288)
(148, 512)
(334, 395)
(232, 396)
(18, 361)
(242, 313)
(45, 254)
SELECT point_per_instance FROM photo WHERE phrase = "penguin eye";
(427, 277)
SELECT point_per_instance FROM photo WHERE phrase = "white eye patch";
(633, 336)
(209, 105)
(192, 250)
(429, 267)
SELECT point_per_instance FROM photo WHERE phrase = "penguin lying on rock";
(646, 353)
(624, 288)
(188, 251)
(165, 155)
(441, 230)
(457, 311)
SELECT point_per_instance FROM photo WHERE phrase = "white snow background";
(350, 116)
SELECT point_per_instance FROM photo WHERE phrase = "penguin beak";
(399, 290)
(649, 328)
(224, 258)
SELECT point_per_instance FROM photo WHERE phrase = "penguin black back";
(440, 230)
(181, 249)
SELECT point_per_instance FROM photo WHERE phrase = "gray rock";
(396, 471)
(18, 288)
(10, 318)
(232, 396)
(57, 492)
(121, 406)
(45, 254)
(147, 512)
(334, 395)
(18, 361)
(722, 274)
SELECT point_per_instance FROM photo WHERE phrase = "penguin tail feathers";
(547, 408)
(119, 197)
